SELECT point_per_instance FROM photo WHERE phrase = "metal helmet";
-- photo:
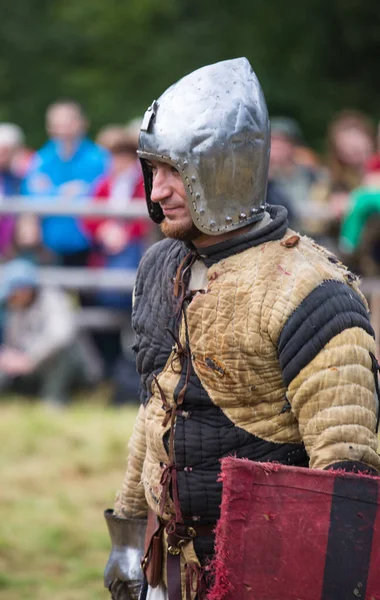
(213, 127)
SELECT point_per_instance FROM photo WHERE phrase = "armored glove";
(123, 575)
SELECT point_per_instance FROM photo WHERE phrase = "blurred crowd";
(43, 347)
(334, 198)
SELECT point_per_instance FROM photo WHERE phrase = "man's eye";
(174, 170)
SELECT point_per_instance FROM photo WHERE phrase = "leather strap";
(174, 576)
(203, 530)
(178, 535)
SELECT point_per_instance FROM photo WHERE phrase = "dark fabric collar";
(274, 230)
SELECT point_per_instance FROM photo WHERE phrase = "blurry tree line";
(313, 57)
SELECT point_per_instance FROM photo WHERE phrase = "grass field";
(58, 472)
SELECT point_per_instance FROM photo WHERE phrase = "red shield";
(288, 533)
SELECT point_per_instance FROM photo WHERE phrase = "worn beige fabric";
(131, 501)
(233, 331)
(333, 401)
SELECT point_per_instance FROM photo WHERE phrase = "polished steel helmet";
(213, 127)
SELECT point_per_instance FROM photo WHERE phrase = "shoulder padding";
(328, 310)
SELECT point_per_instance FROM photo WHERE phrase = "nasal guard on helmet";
(213, 127)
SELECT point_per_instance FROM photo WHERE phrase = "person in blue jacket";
(66, 168)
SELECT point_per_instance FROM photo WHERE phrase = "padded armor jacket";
(274, 361)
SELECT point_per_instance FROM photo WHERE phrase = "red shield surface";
(288, 533)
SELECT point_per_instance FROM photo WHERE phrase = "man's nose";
(160, 188)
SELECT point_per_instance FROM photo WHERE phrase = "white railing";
(83, 279)
(83, 207)
(79, 278)
(86, 278)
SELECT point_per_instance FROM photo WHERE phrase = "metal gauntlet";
(122, 575)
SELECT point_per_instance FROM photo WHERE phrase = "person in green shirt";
(364, 203)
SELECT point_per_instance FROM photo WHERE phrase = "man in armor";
(251, 340)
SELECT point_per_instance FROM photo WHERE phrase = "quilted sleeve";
(131, 500)
(326, 352)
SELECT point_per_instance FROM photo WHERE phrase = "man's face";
(169, 191)
(65, 123)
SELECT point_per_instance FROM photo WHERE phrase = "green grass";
(58, 472)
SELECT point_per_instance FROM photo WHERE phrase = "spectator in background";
(66, 168)
(11, 139)
(39, 343)
(308, 157)
(372, 167)
(110, 135)
(124, 181)
(119, 242)
(22, 161)
(27, 243)
(359, 242)
(296, 180)
(350, 143)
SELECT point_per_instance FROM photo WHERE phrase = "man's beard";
(185, 231)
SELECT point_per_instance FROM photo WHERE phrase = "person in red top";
(123, 185)
(118, 244)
